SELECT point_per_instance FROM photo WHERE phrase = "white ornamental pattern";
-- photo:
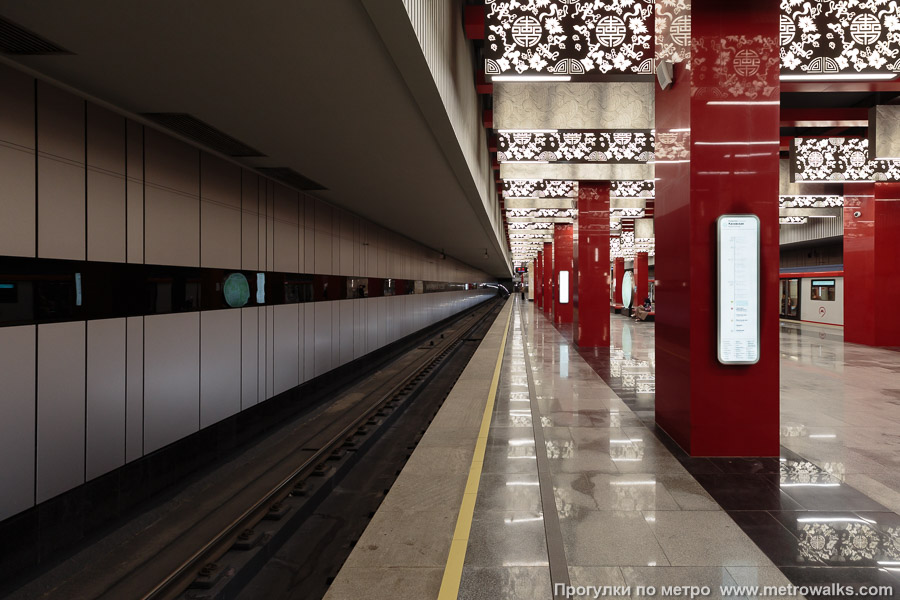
(810, 201)
(584, 39)
(539, 188)
(622, 147)
(541, 213)
(838, 159)
(840, 36)
(632, 189)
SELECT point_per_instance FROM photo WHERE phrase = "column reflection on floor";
(840, 435)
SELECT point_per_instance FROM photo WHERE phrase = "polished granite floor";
(826, 510)
(630, 509)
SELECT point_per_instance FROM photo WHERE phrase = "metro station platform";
(613, 501)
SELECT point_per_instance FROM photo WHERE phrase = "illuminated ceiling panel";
(539, 188)
(572, 147)
(577, 40)
(827, 38)
(838, 159)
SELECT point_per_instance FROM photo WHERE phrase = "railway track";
(241, 526)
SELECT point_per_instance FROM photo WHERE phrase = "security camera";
(857, 214)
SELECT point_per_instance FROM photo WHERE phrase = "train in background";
(813, 294)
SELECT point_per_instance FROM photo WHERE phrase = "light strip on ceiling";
(841, 77)
(531, 78)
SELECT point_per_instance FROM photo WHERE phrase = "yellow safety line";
(454, 568)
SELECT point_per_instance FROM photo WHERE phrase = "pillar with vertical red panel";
(563, 278)
(539, 280)
(547, 293)
(641, 277)
(591, 307)
(717, 132)
(871, 267)
(619, 275)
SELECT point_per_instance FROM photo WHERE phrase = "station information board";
(738, 289)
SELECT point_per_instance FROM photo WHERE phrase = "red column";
(619, 274)
(641, 277)
(563, 249)
(871, 270)
(591, 309)
(547, 270)
(717, 153)
(539, 280)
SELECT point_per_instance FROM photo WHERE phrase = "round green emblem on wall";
(237, 290)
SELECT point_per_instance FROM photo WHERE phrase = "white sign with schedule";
(738, 289)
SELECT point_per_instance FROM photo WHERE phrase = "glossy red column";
(871, 263)
(619, 274)
(538, 281)
(717, 153)
(547, 293)
(641, 277)
(591, 299)
(563, 255)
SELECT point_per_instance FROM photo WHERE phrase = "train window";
(822, 290)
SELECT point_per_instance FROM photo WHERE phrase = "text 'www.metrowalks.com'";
(726, 591)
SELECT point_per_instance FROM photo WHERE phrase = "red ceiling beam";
(488, 119)
(482, 85)
(474, 21)
(824, 117)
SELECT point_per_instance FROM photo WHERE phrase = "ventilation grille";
(202, 133)
(292, 178)
(20, 41)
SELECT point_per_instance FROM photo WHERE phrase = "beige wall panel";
(171, 378)
(220, 365)
(61, 216)
(17, 202)
(270, 351)
(324, 219)
(171, 163)
(287, 347)
(134, 389)
(346, 330)
(220, 213)
(106, 409)
(323, 253)
(249, 357)
(309, 340)
(249, 221)
(60, 123)
(60, 408)
(286, 229)
(323, 344)
(105, 140)
(17, 424)
(17, 100)
(172, 228)
(135, 191)
(220, 236)
(106, 224)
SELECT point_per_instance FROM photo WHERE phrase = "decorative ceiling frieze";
(824, 37)
(838, 159)
(573, 146)
(581, 40)
(539, 188)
